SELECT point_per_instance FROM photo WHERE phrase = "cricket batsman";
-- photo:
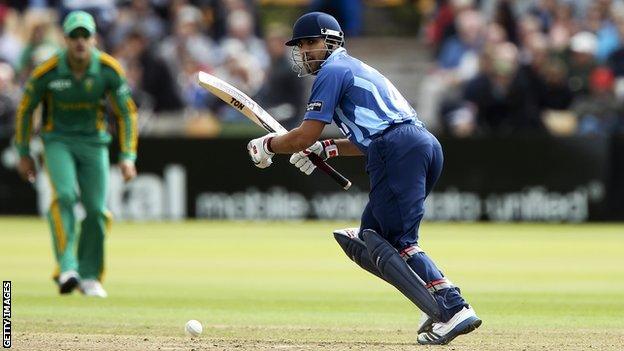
(73, 86)
(403, 161)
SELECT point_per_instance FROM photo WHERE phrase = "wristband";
(267, 144)
(330, 148)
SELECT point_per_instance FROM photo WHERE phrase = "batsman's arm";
(33, 92)
(301, 138)
(297, 139)
(347, 148)
(126, 113)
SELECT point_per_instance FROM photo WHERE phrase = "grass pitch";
(287, 285)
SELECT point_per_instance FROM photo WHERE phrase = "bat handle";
(322, 165)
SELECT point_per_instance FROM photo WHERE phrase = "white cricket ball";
(193, 328)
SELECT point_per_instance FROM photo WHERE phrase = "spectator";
(564, 19)
(455, 9)
(554, 93)
(500, 97)
(10, 45)
(194, 96)
(544, 11)
(470, 30)
(607, 36)
(528, 27)
(153, 76)
(240, 29)
(282, 92)
(221, 9)
(9, 95)
(506, 18)
(189, 44)
(242, 70)
(151, 25)
(598, 112)
(42, 41)
(546, 75)
(581, 61)
(457, 63)
(616, 59)
(437, 30)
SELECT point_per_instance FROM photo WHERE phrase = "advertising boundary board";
(499, 179)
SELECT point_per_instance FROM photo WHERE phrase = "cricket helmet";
(316, 25)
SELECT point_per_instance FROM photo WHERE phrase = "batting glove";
(259, 151)
(325, 149)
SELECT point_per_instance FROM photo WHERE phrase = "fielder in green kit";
(73, 87)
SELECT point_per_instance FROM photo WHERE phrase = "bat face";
(240, 101)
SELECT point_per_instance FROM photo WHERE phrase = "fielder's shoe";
(68, 281)
(92, 287)
(463, 322)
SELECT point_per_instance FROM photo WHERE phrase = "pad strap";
(438, 285)
(433, 286)
(410, 251)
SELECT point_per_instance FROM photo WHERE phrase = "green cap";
(78, 19)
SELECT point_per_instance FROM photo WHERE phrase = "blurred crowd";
(161, 44)
(543, 66)
(500, 66)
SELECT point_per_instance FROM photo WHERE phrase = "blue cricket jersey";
(361, 101)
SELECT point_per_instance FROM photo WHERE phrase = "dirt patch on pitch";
(490, 340)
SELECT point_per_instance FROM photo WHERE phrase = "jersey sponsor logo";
(76, 106)
(314, 106)
(89, 84)
(60, 84)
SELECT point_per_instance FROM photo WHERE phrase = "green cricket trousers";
(76, 165)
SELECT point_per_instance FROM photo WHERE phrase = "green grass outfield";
(290, 282)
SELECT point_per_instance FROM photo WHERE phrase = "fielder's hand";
(325, 149)
(128, 170)
(26, 169)
(259, 151)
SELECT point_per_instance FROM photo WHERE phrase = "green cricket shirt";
(74, 109)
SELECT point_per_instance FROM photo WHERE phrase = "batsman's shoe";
(68, 281)
(463, 322)
(92, 287)
(426, 322)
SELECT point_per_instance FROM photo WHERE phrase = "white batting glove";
(259, 151)
(325, 149)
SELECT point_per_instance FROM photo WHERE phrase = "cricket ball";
(193, 328)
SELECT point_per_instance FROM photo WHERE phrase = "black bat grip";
(322, 165)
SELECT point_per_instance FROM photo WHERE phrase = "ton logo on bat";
(239, 105)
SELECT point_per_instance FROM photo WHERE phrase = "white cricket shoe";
(92, 287)
(426, 323)
(68, 281)
(463, 322)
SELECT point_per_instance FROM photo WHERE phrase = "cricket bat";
(248, 107)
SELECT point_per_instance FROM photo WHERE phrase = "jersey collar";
(94, 65)
(334, 55)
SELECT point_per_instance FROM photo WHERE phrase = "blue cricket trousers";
(403, 164)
